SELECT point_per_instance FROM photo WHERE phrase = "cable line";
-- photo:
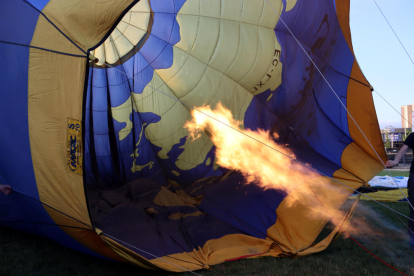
(393, 107)
(109, 236)
(311, 168)
(343, 105)
(394, 32)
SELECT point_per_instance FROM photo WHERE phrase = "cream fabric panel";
(228, 52)
(290, 4)
(48, 37)
(246, 39)
(127, 34)
(169, 130)
(85, 22)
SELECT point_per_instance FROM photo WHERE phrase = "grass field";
(395, 173)
(381, 232)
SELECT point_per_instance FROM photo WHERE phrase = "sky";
(381, 57)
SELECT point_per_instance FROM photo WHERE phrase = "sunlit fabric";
(95, 97)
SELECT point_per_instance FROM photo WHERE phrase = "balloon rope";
(109, 236)
(393, 107)
(340, 227)
(44, 223)
(333, 90)
(346, 111)
(394, 33)
(91, 229)
(309, 167)
(63, 213)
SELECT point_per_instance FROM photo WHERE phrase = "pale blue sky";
(380, 56)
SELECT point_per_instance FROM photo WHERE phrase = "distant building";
(407, 115)
(395, 135)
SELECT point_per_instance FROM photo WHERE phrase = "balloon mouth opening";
(126, 38)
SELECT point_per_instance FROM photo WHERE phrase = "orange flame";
(266, 163)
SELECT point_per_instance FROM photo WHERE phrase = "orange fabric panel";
(360, 105)
(214, 252)
(342, 12)
(300, 221)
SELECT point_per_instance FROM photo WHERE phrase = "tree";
(387, 142)
(407, 132)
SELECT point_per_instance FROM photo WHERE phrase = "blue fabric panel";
(251, 212)
(164, 6)
(313, 122)
(22, 207)
(153, 48)
(251, 208)
(143, 73)
(119, 87)
(16, 167)
(115, 158)
(163, 25)
(16, 163)
(29, 215)
(178, 5)
(20, 19)
(38, 4)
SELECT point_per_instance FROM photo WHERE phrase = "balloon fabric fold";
(97, 100)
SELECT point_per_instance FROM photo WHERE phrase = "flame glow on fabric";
(263, 162)
(100, 146)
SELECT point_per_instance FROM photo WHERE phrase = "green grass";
(381, 232)
(394, 173)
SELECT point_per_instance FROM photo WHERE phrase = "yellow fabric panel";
(264, 51)
(246, 55)
(231, 10)
(204, 46)
(342, 12)
(55, 93)
(48, 37)
(340, 228)
(188, 26)
(268, 17)
(215, 252)
(359, 162)
(188, 77)
(361, 106)
(293, 234)
(252, 12)
(290, 4)
(276, 251)
(228, 39)
(74, 147)
(243, 50)
(111, 54)
(86, 22)
(359, 99)
(180, 198)
(388, 196)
